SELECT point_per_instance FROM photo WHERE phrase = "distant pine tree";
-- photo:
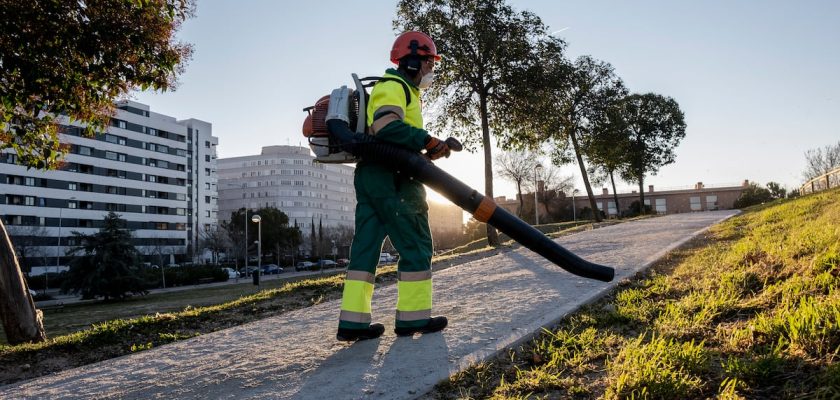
(313, 241)
(109, 267)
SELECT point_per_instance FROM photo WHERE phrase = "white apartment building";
(285, 177)
(147, 167)
(202, 184)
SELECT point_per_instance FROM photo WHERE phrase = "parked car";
(324, 264)
(232, 274)
(271, 269)
(385, 258)
(303, 266)
(342, 262)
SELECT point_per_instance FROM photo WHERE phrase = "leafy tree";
(752, 195)
(571, 100)
(656, 126)
(776, 190)
(608, 148)
(486, 45)
(475, 230)
(73, 58)
(518, 167)
(276, 232)
(109, 266)
(636, 210)
(820, 161)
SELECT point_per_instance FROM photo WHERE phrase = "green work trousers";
(391, 205)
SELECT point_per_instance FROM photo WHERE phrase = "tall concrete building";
(202, 185)
(148, 167)
(285, 177)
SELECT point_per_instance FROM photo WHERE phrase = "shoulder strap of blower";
(374, 79)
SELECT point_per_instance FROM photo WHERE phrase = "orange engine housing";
(315, 123)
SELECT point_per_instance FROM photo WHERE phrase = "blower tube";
(482, 208)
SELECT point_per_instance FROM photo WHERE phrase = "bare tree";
(820, 161)
(29, 243)
(214, 239)
(518, 167)
(555, 185)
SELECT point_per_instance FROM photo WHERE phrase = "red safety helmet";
(403, 46)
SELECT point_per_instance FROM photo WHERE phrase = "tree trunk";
(615, 196)
(595, 213)
(22, 322)
(492, 235)
(642, 210)
(521, 203)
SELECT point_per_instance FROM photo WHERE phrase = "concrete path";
(491, 304)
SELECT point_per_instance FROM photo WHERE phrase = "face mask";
(427, 80)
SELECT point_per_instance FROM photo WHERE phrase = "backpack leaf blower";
(330, 121)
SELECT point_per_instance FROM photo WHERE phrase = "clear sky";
(757, 81)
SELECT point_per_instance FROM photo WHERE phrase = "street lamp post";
(536, 205)
(257, 220)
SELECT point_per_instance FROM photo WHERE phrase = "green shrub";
(752, 195)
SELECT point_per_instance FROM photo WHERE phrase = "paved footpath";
(491, 303)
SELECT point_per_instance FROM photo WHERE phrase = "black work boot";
(350, 335)
(435, 324)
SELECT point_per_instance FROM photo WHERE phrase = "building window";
(207, 214)
(161, 226)
(152, 131)
(660, 206)
(611, 208)
(711, 202)
(29, 181)
(121, 124)
(71, 186)
(207, 199)
(207, 144)
(206, 171)
(207, 185)
(85, 151)
(695, 203)
(72, 204)
(110, 155)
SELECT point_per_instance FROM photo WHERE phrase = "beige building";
(671, 201)
(699, 197)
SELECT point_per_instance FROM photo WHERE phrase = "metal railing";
(828, 180)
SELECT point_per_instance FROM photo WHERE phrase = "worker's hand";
(436, 148)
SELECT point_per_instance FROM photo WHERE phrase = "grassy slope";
(750, 310)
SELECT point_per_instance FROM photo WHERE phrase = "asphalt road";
(492, 303)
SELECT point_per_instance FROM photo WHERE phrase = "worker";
(393, 204)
